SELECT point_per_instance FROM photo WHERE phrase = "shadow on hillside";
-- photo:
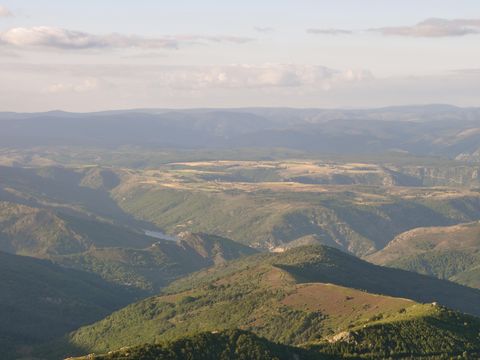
(61, 189)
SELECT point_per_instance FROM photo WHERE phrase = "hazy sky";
(105, 54)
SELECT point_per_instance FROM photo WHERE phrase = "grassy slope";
(40, 301)
(282, 297)
(446, 252)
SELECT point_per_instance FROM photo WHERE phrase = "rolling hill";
(262, 205)
(427, 332)
(119, 254)
(81, 191)
(451, 252)
(152, 268)
(305, 295)
(43, 232)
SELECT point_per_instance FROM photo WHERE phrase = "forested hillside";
(451, 252)
(305, 295)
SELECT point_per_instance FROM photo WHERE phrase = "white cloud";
(79, 78)
(256, 76)
(4, 12)
(435, 27)
(329, 31)
(90, 87)
(356, 75)
(212, 38)
(44, 36)
(52, 37)
(86, 85)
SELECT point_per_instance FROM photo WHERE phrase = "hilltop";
(225, 345)
(409, 336)
(318, 291)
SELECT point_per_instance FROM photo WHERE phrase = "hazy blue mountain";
(427, 130)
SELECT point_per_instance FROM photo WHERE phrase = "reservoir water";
(160, 235)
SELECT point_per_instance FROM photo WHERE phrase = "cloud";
(329, 31)
(146, 55)
(79, 78)
(434, 27)
(214, 38)
(4, 12)
(57, 38)
(86, 85)
(50, 37)
(264, 29)
(246, 76)
(142, 86)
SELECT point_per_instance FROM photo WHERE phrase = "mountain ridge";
(264, 292)
(295, 128)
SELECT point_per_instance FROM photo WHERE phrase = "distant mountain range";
(421, 130)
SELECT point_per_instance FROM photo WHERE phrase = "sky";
(105, 54)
